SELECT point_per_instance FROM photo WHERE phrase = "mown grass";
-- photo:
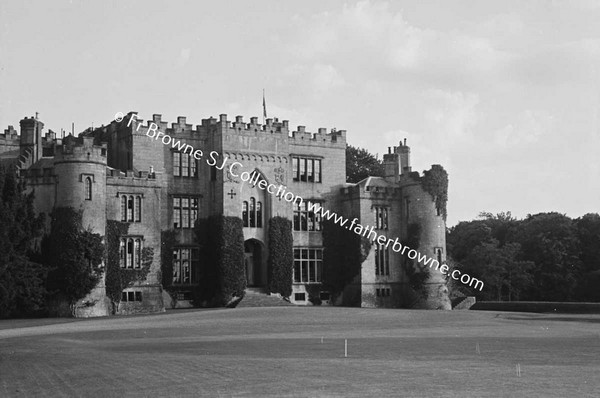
(278, 352)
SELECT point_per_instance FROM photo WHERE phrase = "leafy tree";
(361, 164)
(499, 267)
(588, 231)
(22, 290)
(550, 240)
(73, 256)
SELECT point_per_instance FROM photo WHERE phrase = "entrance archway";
(254, 263)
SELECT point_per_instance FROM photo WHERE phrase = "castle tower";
(419, 208)
(81, 170)
(31, 137)
(80, 167)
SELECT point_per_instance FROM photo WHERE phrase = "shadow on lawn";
(560, 319)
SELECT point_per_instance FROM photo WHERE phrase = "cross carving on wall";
(232, 194)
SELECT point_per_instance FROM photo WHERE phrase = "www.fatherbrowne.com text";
(280, 191)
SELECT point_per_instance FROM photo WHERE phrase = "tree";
(550, 240)
(22, 290)
(588, 231)
(73, 256)
(361, 164)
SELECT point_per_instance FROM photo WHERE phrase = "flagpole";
(264, 108)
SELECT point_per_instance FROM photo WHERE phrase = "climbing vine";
(416, 275)
(344, 252)
(435, 182)
(117, 278)
(281, 256)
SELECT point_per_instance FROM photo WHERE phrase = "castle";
(116, 172)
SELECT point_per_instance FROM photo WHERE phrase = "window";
(185, 211)
(252, 213)
(383, 292)
(130, 252)
(306, 169)
(131, 208)
(308, 265)
(438, 252)
(186, 266)
(88, 188)
(131, 296)
(184, 165)
(299, 296)
(245, 213)
(382, 260)
(306, 220)
(381, 217)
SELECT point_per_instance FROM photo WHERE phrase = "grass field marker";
(477, 348)
(518, 370)
(345, 348)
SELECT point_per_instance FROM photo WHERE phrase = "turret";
(31, 137)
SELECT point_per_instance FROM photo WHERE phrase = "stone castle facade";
(117, 172)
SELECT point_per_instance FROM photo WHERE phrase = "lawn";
(299, 352)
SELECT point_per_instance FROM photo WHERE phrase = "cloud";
(527, 128)
(450, 115)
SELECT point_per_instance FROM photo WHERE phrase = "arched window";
(130, 253)
(123, 208)
(245, 213)
(88, 188)
(252, 213)
(122, 254)
(130, 209)
(138, 254)
(138, 208)
(259, 215)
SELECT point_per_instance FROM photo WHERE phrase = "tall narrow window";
(122, 254)
(123, 208)
(88, 188)
(259, 215)
(382, 260)
(295, 169)
(138, 254)
(185, 165)
(138, 208)
(309, 170)
(252, 213)
(381, 217)
(176, 212)
(130, 209)
(176, 164)
(317, 170)
(302, 169)
(130, 253)
(245, 213)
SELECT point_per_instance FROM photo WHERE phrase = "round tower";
(420, 209)
(80, 167)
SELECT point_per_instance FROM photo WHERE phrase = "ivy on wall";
(223, 278)
(73, 256)
(416, 275)
(281, 256)
(344, 252)
(168, 240)
(117, 278)
(435, 182)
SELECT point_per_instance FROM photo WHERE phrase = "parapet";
(81, 148)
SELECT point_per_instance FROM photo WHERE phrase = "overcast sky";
(504, 94)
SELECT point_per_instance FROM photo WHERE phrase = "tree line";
(543, 257)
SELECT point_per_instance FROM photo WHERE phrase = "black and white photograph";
(266, 198)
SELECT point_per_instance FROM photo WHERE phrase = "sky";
(504, 94)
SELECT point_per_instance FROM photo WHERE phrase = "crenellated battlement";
(239, 126)
(80, 149)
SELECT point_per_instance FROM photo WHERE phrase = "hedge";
(281, 256)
